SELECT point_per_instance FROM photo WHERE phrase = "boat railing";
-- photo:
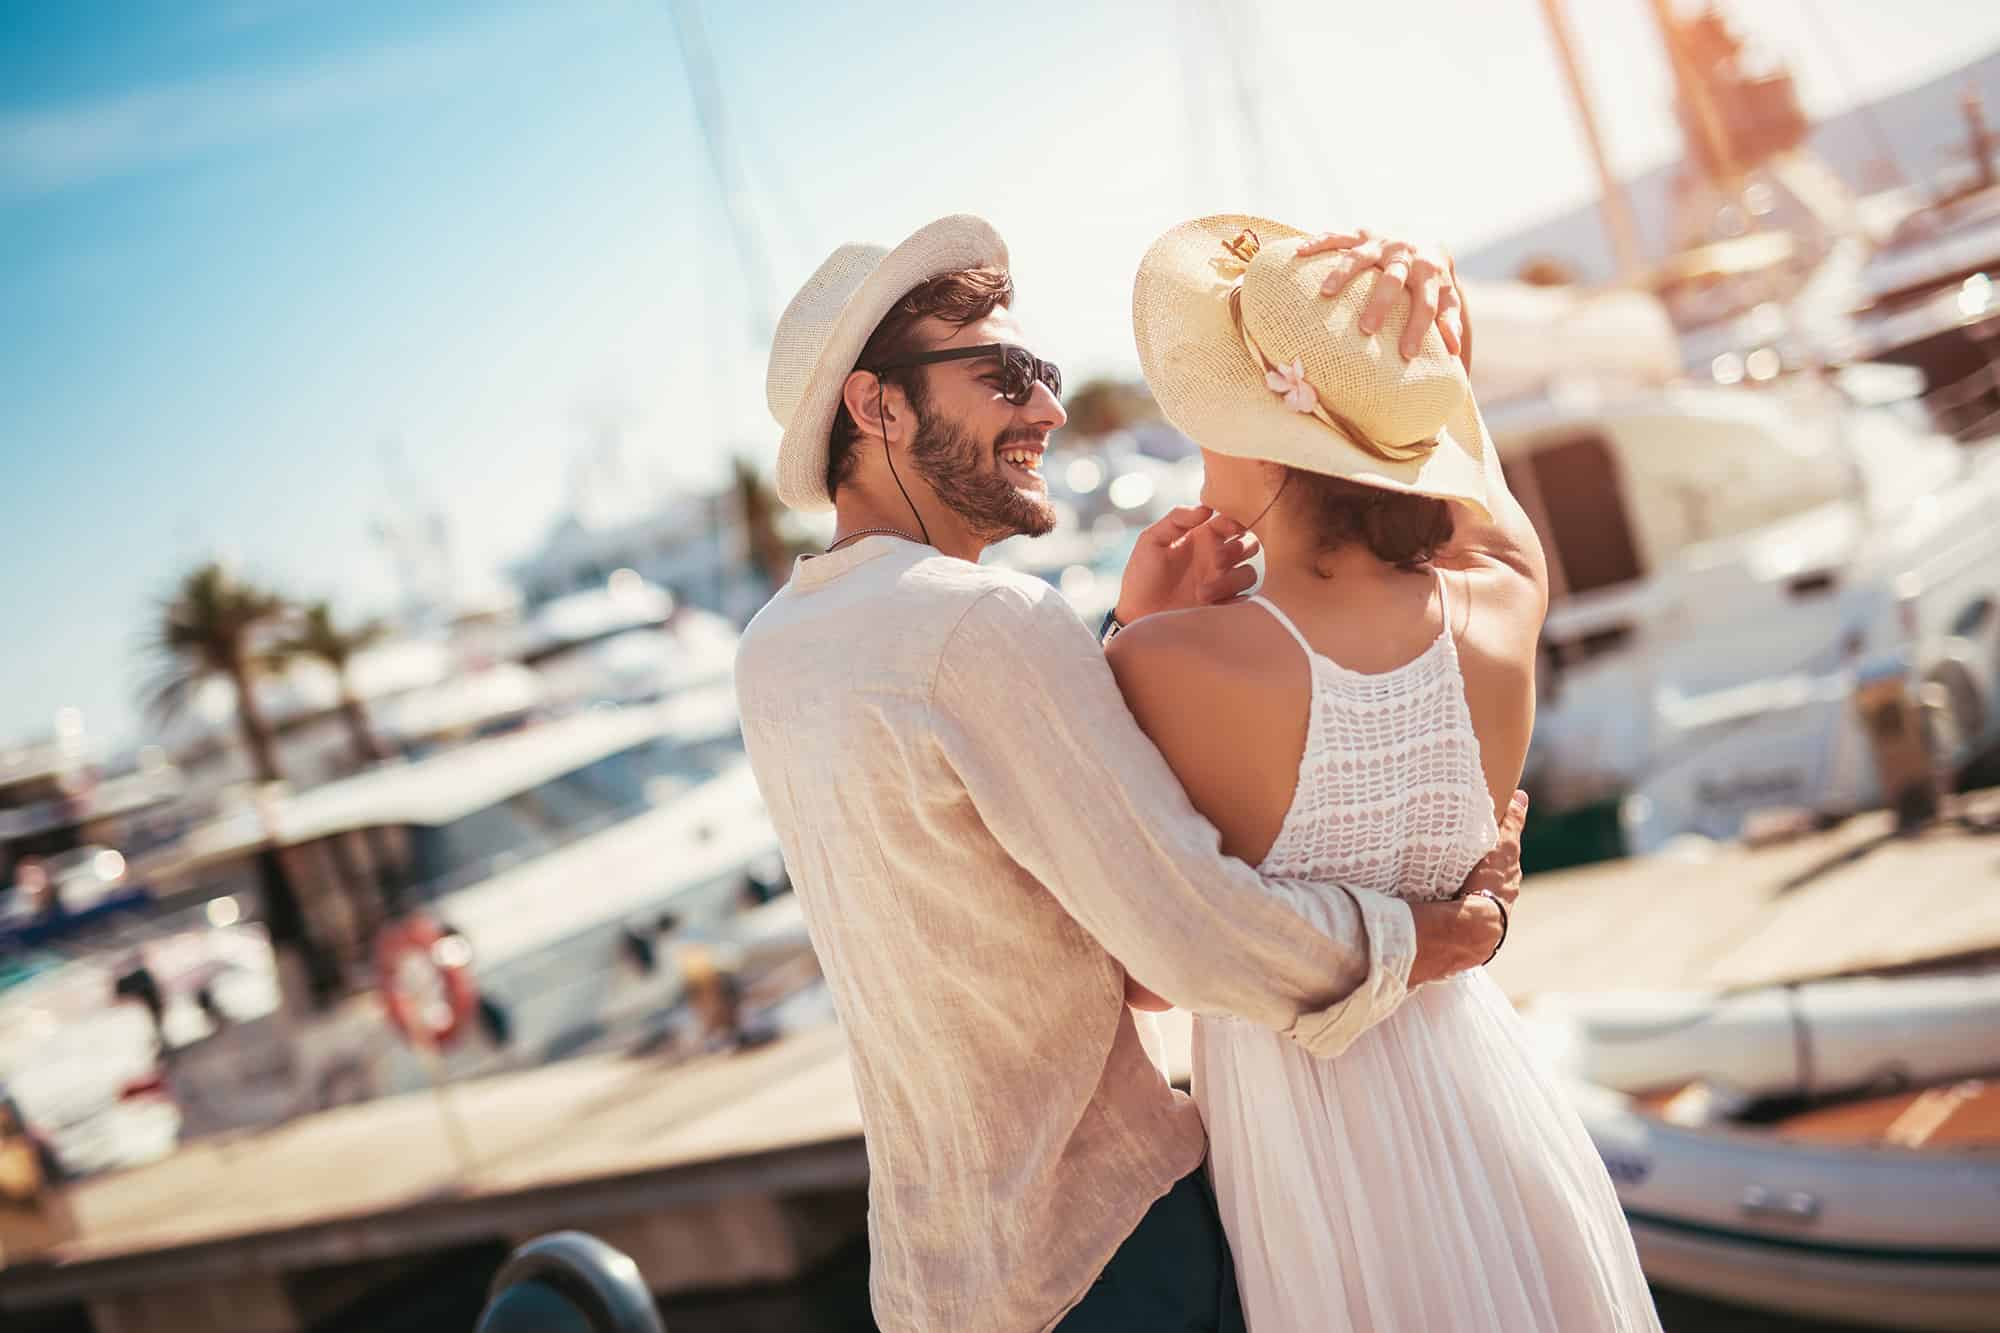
(113, 796)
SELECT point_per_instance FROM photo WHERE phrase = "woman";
(1363, 722)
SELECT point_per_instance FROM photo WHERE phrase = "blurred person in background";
(979, 833)
(1362, 722)
(35, 891)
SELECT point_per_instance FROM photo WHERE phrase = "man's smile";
(1025, 461)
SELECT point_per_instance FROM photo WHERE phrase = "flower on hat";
(1291, 382)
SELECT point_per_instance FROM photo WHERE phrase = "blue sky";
(247, 247)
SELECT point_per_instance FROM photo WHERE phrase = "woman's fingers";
(1175, 524)
(1451, 318)
(1211, 532)
(1227, 585)
(1351, 265)
(1389, 285)
(1225, 569)
(1424, 272)
(1333, 240)
(1426, 290)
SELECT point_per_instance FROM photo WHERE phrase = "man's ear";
(875, 404)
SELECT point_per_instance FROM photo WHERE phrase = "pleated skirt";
(1430, 1177)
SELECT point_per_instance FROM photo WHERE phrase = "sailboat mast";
(1619, 224)
(1727, 173)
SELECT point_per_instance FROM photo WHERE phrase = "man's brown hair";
(959, 298)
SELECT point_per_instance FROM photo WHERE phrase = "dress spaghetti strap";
(1286, 621)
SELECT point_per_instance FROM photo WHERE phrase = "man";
(984, 842)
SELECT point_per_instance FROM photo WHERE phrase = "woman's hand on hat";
(1425, 272)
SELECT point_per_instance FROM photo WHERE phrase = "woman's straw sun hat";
(823, 330)
(1246, 358)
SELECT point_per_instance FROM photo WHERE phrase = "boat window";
(1580, 513)
(544, 817)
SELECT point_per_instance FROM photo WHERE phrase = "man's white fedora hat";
(1246, 358)
(823, 330)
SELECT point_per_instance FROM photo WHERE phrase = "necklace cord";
(1283, 482)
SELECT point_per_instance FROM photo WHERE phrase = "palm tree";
(1100, 406)
(206, 629)
(758, 506)
(210, 627)
(1545, 271)
(317, 636)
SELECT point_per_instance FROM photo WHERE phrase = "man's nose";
(1044, 408)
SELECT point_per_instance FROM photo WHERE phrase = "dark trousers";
(1172, 1275)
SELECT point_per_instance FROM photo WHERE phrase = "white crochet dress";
(1430, 1177)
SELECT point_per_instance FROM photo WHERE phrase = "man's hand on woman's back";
(1460, 933)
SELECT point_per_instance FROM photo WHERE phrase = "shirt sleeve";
(1029, 716)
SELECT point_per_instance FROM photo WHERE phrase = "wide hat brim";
(1209, 386)
(857, 286)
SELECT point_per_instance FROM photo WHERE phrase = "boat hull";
(1902, 1238)
(1809, 1040)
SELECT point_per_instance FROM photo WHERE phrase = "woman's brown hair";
(1398, 529)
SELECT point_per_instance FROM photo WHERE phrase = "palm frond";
(203, 627)
(165, 694)
(318, 635)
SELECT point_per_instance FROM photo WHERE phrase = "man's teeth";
(1025, 459)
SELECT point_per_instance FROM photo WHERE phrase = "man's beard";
(964, 475)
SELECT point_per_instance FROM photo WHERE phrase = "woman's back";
(1369, 715)
(1332, 730)
(1361, 729)
(1389, 793)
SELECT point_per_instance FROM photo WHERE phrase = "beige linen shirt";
(980, 834)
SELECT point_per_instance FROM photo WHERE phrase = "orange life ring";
(425, 976)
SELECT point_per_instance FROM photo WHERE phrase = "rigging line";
(1305, 126)
(699, 63)
(1884, 148)
(1249, 120)
(764, 169)
(1194, 102)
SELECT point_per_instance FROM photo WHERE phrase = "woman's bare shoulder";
(1224, 693)
(1186, 670)
(1239, 642)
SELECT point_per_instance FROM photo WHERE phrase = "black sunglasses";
(1019, 368)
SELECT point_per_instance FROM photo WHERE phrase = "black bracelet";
(1108, 630)
(1499, 903)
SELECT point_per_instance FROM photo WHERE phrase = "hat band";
(1304, 398)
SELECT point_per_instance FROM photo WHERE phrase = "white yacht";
(1928, 300)
(568, 859)
(1728, 565)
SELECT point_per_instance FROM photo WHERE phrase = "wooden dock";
(1856, 898)
(749, 1167)
(688, 1168)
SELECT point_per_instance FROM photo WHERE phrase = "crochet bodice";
(1390, 796)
